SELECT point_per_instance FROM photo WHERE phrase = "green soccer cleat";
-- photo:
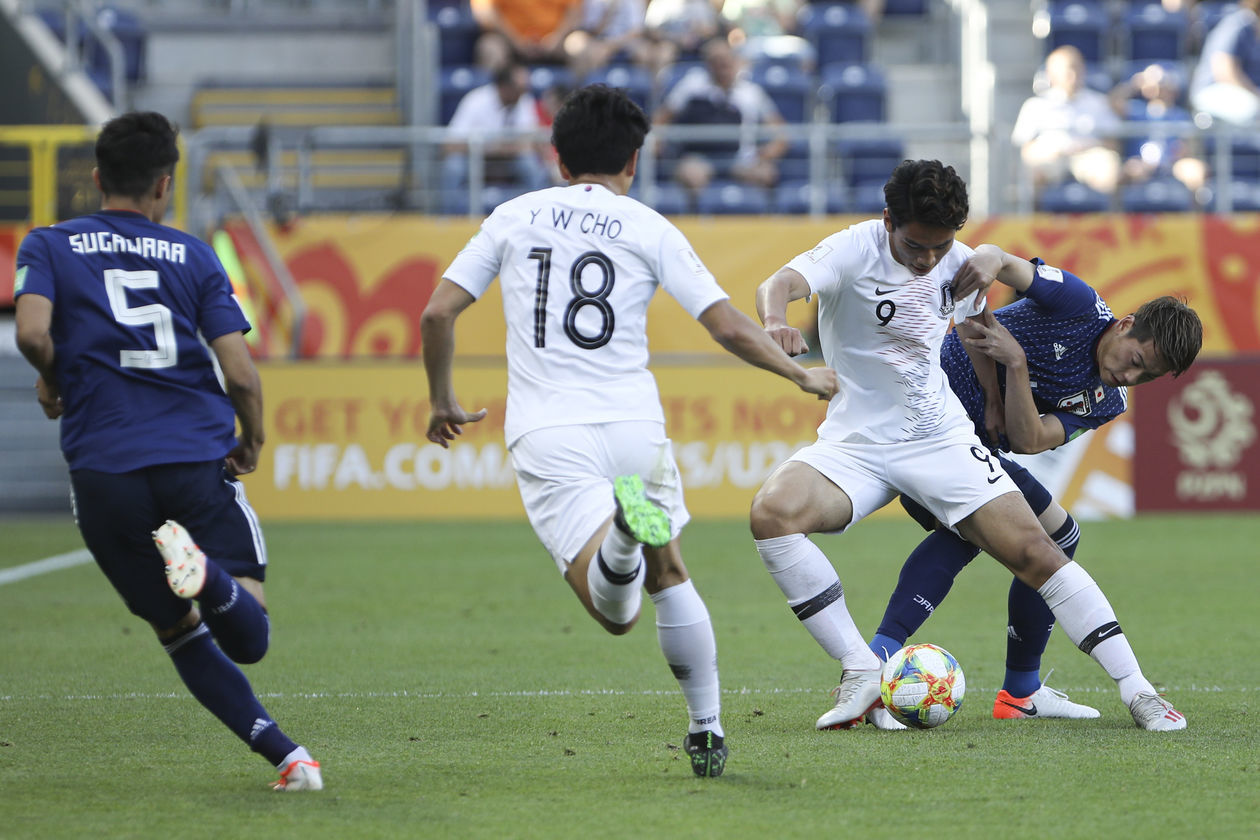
(637, 515)
(707, 752)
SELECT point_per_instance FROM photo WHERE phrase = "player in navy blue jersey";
(126, 321)
(1033, 376)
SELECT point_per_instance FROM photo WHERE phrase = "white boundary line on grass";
(1193, 688)
(48, 564)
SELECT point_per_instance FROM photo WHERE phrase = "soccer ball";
(922, 686)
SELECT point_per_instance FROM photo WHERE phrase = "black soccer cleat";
(707, 752)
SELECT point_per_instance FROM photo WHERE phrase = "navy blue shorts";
(117, 514)
(1035, 493)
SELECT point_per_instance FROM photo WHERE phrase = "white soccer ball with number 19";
(922, 686)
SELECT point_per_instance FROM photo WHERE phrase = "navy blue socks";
(235, 618)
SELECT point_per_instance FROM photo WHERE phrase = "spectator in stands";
(1224, 84)
(1069, 130)
(531, 31)
(505, 104)
(1151, 96)
(719, 95)
(611, 30)
(683, 27)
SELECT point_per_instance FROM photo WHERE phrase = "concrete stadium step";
(294, 105)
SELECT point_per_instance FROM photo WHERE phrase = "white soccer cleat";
(185, 562)
(856, 695)
(1045, 702)
(881, 718)
(1155, 714)
(300, 775)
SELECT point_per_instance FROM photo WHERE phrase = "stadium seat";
(1155, 34)
(789, 51)
(869, 161)
(1244, 197)
(453, 83)
(867, 199)
(671, 74)
(795, 161)
(457, 33)
(669, 200)
(839, 32)
(854, 92)
(544, 76)
(1072, 197)
(791, 89)
(905, 8)
(636, 82)
(793, 197)
(730, 198)
(1083, 24)
(1159, 195)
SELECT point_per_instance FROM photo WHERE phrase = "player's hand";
(446, 423)
(790, 339)
(822, 381)
(49, 399)
(243, 459)
(996, 342)
(976, 275)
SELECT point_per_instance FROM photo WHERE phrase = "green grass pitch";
(452, 687)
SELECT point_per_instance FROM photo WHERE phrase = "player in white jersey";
(887, 290)
(578, 266)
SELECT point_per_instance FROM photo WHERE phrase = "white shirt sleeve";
(823, 266)
(685, 276)
(477, 264)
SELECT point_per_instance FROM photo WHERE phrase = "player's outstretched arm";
(740, 335)
(991, 263)
(437, 338)
(773, 296)
(986, 374)
(244, 389)
(34, 340)
(1027, 430)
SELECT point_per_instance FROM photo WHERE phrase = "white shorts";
(566, 476)
(952, 476)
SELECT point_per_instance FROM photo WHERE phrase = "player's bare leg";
(798, 500)
(1008, 530)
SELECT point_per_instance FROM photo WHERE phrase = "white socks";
(686, 637)
(814, 593)
(1082, 610)
(615, 577)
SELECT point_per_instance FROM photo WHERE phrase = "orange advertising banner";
(366, 279)
(346, 441)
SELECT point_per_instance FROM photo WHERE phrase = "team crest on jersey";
(947, 299)
(817, 253)
(1078, 403)
(1059, 350)
(19, 280)
(1046, 272)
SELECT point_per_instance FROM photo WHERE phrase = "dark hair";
(506, 72)
(1175, 329)
(926, 191)
(597, 129)
(133, 151)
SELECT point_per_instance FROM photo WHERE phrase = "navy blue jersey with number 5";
(134, 304)
(1058, 322)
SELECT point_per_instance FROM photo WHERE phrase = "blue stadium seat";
(869, 161)
(793, 197)
(131, 33)
(453, 83)
(839, 32)
(1244, 197)
(1158, 195)
(791, 89)
(1083, 24)
(1154, 33)
(457, 33)
(636, 82)
(854, 92)
(1072, 197)
(670, 200)
(794, 164)
(730, 198)
(905, 8)
(868, 199)
(671, 74)
(789, 51)
(544, 76)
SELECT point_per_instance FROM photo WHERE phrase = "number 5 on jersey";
(155, 315)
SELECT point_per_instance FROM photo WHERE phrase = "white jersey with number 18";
(578, 266)
(881, 329)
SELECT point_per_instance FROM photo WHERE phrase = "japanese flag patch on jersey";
(1046, 272)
